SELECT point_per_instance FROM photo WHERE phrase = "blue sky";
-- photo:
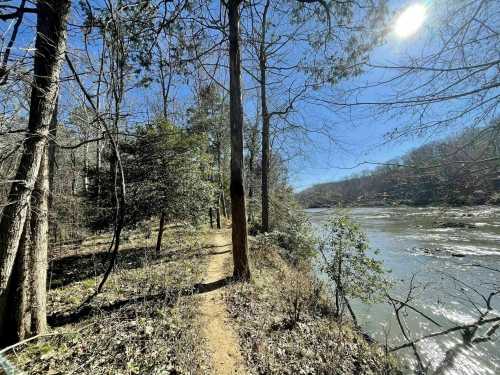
(362, 138)
(359, 137)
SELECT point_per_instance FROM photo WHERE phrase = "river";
(453, 267)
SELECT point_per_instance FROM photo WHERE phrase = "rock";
(454, 224)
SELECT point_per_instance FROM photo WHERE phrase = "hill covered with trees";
(461, 170)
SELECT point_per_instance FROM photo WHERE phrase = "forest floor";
(177, 312)
(158, 313)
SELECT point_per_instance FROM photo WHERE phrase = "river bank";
(287, 323)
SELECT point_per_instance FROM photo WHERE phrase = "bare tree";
(482, 329)
(452, 80)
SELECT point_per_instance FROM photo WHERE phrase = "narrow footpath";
(221, 338)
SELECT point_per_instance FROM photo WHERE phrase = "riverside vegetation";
(148, 318)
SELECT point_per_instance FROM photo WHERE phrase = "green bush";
(297, 241)
(344, 247)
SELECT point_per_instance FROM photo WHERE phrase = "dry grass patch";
(145, 321)
(286, 324)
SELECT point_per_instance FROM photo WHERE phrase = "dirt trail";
(221, 338)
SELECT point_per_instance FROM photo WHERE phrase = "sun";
(410, 20)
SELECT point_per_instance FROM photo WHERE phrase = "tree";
(210, 116)
(268, 46)
(299, 47)
(343, 248)
(50, 46)
(166, 173)
(238, 208)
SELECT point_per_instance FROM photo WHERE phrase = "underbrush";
(144, 322)
(287, 324)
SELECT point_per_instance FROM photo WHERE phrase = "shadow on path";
(74, 268)
(168, 298)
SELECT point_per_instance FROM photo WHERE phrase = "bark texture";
(238, 209)
(39, 248)
(14, 304)
(50, 48)
(265, 124)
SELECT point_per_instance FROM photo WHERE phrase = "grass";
(145, 321)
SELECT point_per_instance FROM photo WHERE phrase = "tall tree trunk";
(222, 200)
(252, 151)
(98, 171)
(50, 47)
(22, 280)
(165, 83)
(238, 209)
(17, 319)
(265, 125)
(160, 233)
(75, 173)
(52, 152)
(16, 324)
(39, 248)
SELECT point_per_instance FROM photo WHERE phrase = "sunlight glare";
(410, 20)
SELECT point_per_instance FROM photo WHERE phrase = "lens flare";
(410, 20)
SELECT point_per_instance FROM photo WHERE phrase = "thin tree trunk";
(52, 153)
(74, 171)
(250, 177)
(50, 47)
(238, 209)
(99, 132)
(222, 200)
(119, 173)
(86, 168)
(52, 149)
(217, 212)
(39, 248)
(265, 125)
(165, 83)
(98, 171)
(211, 215)
(160, 233)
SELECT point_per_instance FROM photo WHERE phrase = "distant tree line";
(461, 170)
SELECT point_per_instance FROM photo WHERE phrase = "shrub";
(293, 234)
(344, 252)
